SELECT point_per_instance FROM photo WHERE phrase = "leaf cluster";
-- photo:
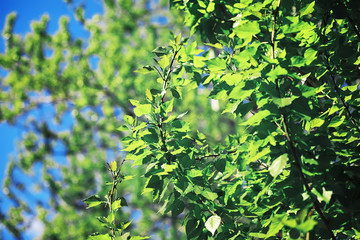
(287, 74)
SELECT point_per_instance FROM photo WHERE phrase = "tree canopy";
(245, 126)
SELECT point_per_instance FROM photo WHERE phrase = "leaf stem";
(273, 32)
(167, 78)
(115, 177)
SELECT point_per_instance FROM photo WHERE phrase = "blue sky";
(26, 12)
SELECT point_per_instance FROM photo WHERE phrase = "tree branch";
(302, 176)
(287, 131)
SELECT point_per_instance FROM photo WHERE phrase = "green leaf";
(175, 92)
(138, 238)
(168, 168)
(145, 69)
(168, 106)
(192, 229)
(213, 223)
(100, 237)
(282, 102)
(126, 225)
(257, 235)
(123, 128)
(149, 95)
(317, 122)
(138, 157)
(310, 55)
(337, 121)
(118, 204)
(307, 9)
(150, 136)
(259, 155)
(276, 72)
(142, 109)
(209, 195)
(210, 7)
(278, 165)
(124, 236)
(113, 166)
(164, 61)
(195, 173)
(111, 217)
(275, 226)
(198, 61)
(239, 94)
(244, 28)
(220, 164)
(177, 207)
(230, 190)
(257, 118)
(219, 46)
(352, 88)
(128, 119)
(357, 233)
(160, 51)
(216, 64)
(178, 38)
(135, 145)
(93, 201)
(327, 195)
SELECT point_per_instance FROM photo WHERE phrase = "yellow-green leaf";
(149, 95)
(178, 38)
(113, 166)
(142, 109)
(307, 9)
(317, 122)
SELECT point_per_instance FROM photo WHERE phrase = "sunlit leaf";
(309, 8)
(213, 223)
(113, 166)
(93, 201)
(278, 165)
(142, 109)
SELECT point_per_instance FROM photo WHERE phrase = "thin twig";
(303, 179)
(287, 132)
(214, 155)
(160, 124)
(337, 90)
(159, 73)
(115, 176)
(167, 78)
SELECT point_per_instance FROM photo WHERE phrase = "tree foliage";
(67, 96)
(247, 130)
